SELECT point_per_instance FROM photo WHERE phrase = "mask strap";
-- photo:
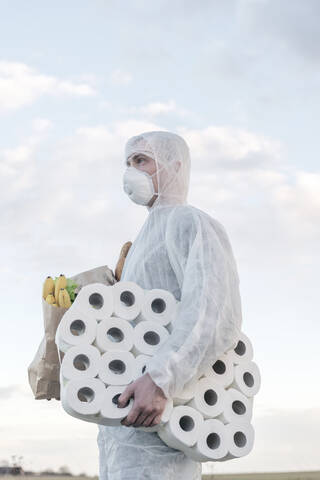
(155, 173)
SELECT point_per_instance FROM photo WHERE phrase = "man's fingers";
(156, 420)
(125, 396)
(148, 421)
(140, 419)
(135, 412)
(131, 417)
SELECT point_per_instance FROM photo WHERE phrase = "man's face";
(143, 162)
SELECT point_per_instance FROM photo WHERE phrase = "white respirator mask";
(138, 185)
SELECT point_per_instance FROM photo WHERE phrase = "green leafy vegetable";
(71, 286)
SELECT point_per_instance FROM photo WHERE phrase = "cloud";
(41, 124)
(267, 205)
(289, 23)
(232, 149)
(17, 155)
(18, 163)
(121, 77)
(73, 197)
(157, 108)
(154, 109)
(300, 208)
(12, 391)
(21, 85)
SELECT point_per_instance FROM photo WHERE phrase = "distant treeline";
(19, 471)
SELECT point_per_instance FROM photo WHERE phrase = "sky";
(239, 81)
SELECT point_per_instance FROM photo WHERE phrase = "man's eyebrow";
(135, 156)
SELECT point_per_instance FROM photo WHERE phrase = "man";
(181, 249)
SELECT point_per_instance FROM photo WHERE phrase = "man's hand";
(148, 405)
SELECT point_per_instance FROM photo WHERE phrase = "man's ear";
(177, 166)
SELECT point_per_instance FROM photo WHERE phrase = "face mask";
(138, 185)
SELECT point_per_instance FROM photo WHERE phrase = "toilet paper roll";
(183, 428)
(110, 413)
(187, 393)
(116, 367)
(147, 337)
(63, 381)
(87, 418)
(212, 443)
(158, 306)
(164, 418)
(221, 371)
(128, 299)
(75, 328)
(209, 399)
(240, 440)
(96, 299)
(83, 396)
(238, 407)
(94, 418)
(80, 361)
(169, 327)
(114, 333)
(247, 378)
(243, 351)
(140, 365)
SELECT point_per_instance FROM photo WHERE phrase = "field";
(249, 476)
(266, 476)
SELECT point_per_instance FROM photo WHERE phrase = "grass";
(266, 476)
(313, 475)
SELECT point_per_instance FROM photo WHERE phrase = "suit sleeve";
(208, 318)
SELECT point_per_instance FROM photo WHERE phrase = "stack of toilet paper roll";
(108, 335)
(211, 418)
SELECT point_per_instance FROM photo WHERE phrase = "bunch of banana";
(64, 298)
(55, 292)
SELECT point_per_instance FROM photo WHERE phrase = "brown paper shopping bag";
(43, 372)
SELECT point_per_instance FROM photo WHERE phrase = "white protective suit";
(184, 250)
